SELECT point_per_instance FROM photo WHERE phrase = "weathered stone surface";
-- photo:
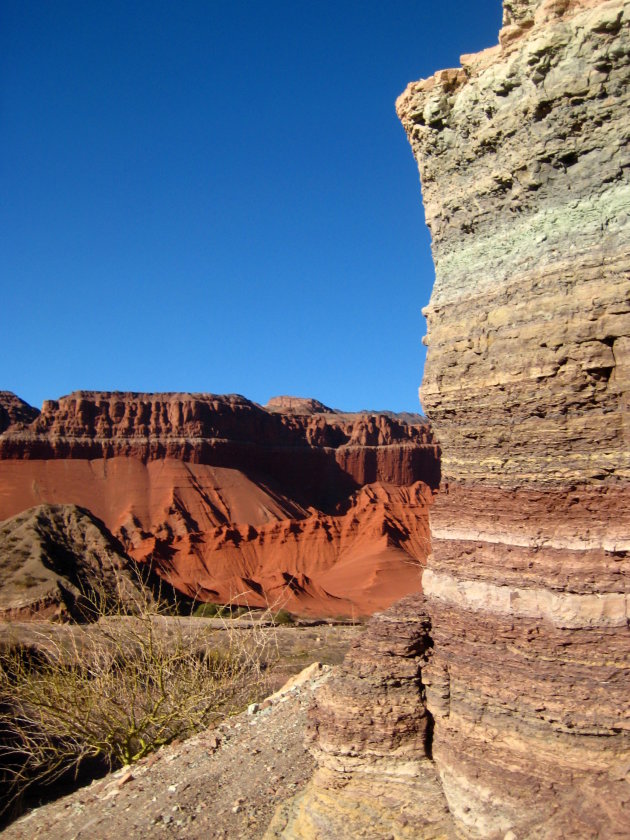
(523, 155)
(13, 410)
(323, 457)
(58, 559)
(524, 175)
(371, 737)
(318, 512)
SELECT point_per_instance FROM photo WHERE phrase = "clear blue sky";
(217, 196)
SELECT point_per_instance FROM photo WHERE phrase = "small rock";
(127, 777)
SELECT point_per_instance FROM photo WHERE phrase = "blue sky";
(217, 196)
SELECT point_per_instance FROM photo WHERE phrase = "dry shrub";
(113, 692)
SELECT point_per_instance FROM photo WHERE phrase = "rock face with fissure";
(371, 737)
(524, 162)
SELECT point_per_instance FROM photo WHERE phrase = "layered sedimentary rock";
(311, 509)
(523, 155)
(58, 559)
(320, 456)
(298, 405)
(371, 737)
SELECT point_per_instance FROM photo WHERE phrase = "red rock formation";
(298, 405)
(320, 457)
(14, 411)
(318, 512)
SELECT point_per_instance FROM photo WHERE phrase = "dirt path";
(223, 783)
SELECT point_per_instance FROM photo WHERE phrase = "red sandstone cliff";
(315, 510)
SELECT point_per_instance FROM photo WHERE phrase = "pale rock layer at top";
(523, 156)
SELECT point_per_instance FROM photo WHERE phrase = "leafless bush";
(119, 689)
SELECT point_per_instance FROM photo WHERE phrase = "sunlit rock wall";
(371, 737)
(523, 156)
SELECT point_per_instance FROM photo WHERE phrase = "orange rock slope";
(296, 506)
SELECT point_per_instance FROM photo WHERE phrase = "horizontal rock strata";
(371, 737)
(298, 506)
(523, 155)
(323, 456)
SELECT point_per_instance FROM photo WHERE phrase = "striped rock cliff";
(524, 163)
(298, 505)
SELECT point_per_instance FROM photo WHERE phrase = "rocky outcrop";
(58, 560)
(320, 457)
(523, 154)
(371, 737)
(298, 405)
(14, 411)
(314, 511)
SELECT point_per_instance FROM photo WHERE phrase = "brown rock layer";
(523, 155)
(371, 737)
(59, 560)
(14, 411)
(524, 161)
(318, 512)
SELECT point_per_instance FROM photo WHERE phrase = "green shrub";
(208, 610)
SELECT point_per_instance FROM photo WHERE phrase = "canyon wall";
(524, 162)
(296, 505)
(524, 156)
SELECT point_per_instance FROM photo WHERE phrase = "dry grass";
(114, 692)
